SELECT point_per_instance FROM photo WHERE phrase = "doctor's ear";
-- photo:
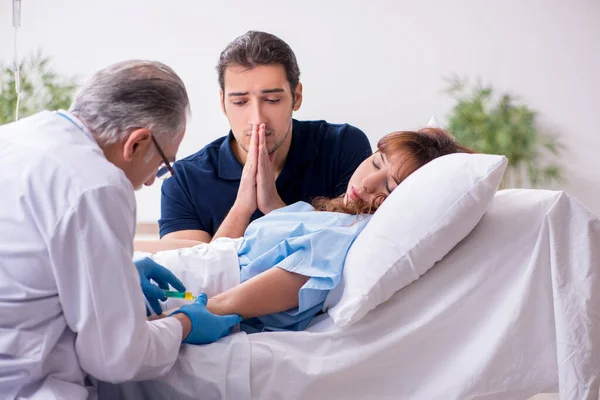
(137, 143)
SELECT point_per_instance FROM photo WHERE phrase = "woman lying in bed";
(308, 248)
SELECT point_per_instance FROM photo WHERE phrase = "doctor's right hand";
(206, 326)
(148, 269)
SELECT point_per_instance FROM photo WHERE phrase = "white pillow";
(433, 123)
(416, 226)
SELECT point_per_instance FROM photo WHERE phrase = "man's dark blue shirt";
(320, 162)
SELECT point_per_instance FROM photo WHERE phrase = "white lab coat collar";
(81, 126)
(77, 122)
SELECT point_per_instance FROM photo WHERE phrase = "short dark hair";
(256, 48)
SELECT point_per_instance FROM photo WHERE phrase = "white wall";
(378, 66)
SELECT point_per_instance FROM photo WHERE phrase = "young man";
(259, 80)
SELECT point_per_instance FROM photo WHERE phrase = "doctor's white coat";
(70, 301)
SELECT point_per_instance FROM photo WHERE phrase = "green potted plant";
(503, 125)
(41, 88)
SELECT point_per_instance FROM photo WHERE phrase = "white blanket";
(210, 268)
(512, 311)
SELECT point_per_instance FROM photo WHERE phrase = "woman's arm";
(272, 291)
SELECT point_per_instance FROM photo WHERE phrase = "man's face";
(259, 95)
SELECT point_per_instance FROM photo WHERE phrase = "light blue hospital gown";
(300, 240)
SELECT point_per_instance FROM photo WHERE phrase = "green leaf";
(502, 124)
(41, 88)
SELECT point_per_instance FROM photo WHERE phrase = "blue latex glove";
(148, 269)
(206, 326)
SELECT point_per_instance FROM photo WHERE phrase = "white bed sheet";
(512, 311)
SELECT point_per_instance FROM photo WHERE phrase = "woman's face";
(375, 176)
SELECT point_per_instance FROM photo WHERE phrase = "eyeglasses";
(166, 170)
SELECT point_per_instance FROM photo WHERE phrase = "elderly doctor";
(70, 298)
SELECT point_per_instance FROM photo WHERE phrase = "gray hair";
(130, 95)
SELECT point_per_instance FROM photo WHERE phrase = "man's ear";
(137, 143)
(222, 98)
(298, 95)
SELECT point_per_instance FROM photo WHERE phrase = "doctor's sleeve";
(99, 290)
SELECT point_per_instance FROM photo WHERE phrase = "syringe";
(180, 295)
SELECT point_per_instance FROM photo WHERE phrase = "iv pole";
(17, 25)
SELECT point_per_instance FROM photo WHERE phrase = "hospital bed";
(513, 310)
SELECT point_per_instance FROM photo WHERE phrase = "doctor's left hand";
(149, 270)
